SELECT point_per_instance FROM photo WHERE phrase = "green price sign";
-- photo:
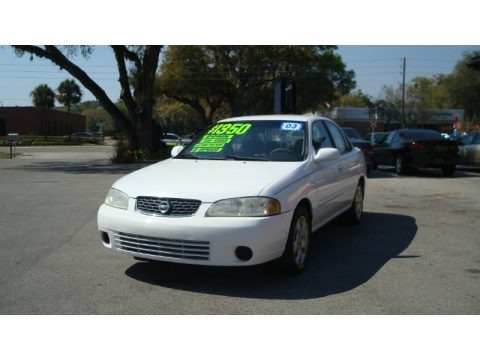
(220, 135)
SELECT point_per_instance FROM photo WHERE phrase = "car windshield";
(257, 140)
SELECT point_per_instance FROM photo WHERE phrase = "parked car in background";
(375, 137)
(174, 139)
(362, 144)
(246, 191)
(87, 136)
(469, 149)
(409, 149)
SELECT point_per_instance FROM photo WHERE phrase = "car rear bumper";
(432, 161)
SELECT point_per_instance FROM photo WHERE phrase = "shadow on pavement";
(389, 172)
(341, 258)
(90, 167)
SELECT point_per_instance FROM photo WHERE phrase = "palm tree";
(43, 97)
(69, 93)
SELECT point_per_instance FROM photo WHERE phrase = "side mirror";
(326, 155)
(176, 150)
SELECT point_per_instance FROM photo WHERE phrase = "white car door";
(324, 179)
(349, 166)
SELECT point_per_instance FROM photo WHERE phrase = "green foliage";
(463, 88)
(43, 97)
(173, 116)
(460, 90)
(220, 81)
(69, 93)
(96, 115)
(50, 141)
(354, 99)
(126, 154)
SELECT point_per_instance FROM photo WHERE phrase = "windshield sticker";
(230, 129)
(291, 126)
(220, 135)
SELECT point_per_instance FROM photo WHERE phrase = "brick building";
(35, 121)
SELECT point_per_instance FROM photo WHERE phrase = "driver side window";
(338, 138)
(320, 137)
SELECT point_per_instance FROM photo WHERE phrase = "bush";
(24, 140)
(125, 154)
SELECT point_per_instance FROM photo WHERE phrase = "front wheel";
(295, 254)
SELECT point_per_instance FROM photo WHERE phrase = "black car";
(360, 143)
(409, 149)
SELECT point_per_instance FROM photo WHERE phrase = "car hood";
(205, 180)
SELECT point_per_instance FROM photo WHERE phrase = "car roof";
(306, 118)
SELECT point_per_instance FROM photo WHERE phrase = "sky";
(374, 66)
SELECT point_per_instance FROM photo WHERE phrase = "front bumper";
(193, 239)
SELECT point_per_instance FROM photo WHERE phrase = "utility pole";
(403, 93)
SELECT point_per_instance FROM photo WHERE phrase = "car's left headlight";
(117, 199)
(247, 206)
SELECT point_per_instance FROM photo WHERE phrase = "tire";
(448, 170)
(353, 215)
(294, 256)
(401, 165)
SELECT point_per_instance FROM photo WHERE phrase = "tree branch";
(126, 94)
(53, 54)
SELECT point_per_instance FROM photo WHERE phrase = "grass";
(4, 155)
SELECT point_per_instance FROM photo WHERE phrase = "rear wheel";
(401, 165)
(296, 250)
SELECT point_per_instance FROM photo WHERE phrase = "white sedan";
(246, 191)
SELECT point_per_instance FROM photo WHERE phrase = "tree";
(354, 99)
(240, 79)
(69, 93)
(463, 88)
(137, 87)
(43, 97)
(98, 115)
(189, 77)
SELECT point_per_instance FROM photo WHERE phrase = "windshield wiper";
(228, 157)
(251, 158)
(188, 156)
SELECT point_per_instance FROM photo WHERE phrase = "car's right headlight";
(117, 199)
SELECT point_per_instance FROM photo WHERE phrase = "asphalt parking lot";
(417, 250)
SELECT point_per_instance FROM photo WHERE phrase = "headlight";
(117, 199)
(249, 206)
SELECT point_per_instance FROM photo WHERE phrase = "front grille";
(176, 207)
(168, 248)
